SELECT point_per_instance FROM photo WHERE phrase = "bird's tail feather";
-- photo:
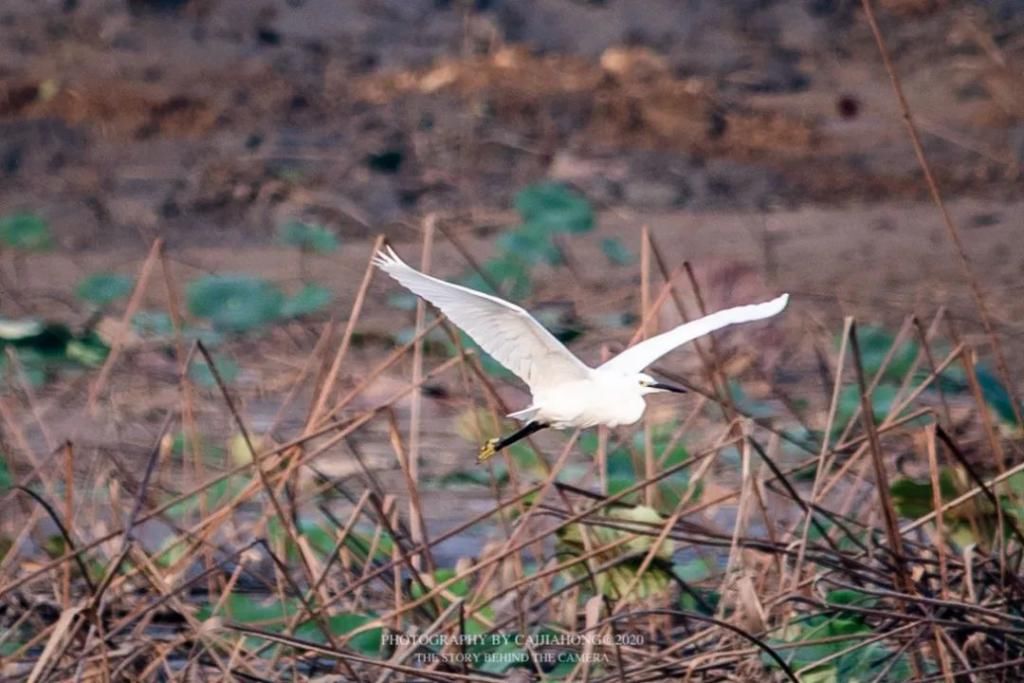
(524, 415)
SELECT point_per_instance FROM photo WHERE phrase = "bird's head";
(649, 385)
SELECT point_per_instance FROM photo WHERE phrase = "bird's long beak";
(668, 387)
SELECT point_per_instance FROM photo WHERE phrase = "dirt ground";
(208, 122)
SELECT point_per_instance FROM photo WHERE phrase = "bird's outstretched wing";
(505, 331)
(639, 356)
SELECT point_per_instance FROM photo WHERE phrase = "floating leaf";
(875, 344)
(1015, 484)
(913, 499)
(994, 393)
(269, 612)
(530, 243)
(615, 581)
(6, 480)
(617, 319)
(368, 642)
(54, 546)
(704, 602)
(510, 273)
(25, 231)
(171, 551)
(262, 610)
(671, 489)
(199, 371)
(972, 521)
(214, 496)
(498, 653)
(694, 571)
(88, 350)
(621, 472)
(235, 303)
(456, 589)
(693, 597)
(14, 330)
(882, 400)
(310, 299)
(34, 365)
(361, 544)
(182, 444)
(954, 379)
(859, 665)
(210, 338)
(403, 301)
(308, 237)
(849, 596)
(248, 608)
(553, 207)
(320, 536)
(104, 288)
(616, 252)
(748, 405)
(153, 324)
(51, 342)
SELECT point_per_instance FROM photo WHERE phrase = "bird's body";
(566, 393)
(603, 398)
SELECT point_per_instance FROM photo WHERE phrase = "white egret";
(566, 393)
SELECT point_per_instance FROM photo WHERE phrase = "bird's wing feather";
(502, 329)
(639, 356)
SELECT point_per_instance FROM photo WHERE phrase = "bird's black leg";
(494, 445)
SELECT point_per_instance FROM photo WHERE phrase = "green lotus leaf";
(235, 302)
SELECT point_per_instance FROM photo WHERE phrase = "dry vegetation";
(834, 567)
(862, 521)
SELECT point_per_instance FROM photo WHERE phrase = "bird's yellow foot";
(487, 450)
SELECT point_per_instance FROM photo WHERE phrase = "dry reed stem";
(116, 344)
(951, 229)
(412, 461)
(890, 420)
(881, 475)
(317, 412)
(341, 581)
(822, 465)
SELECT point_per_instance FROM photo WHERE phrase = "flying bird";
(565, 392)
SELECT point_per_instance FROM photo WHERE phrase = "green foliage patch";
(25, 232)
(103, 289)
(308, 237)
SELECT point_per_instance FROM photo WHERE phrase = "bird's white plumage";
(502, 329)
(566, 393)
(639, 356)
